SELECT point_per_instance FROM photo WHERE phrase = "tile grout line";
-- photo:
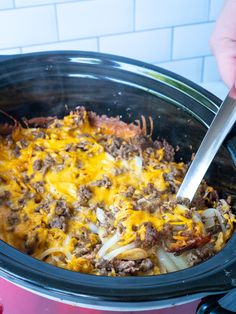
(209, 10)
(56, 20)
(172, 44)
(134, 15)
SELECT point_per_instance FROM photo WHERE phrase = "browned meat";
(104, 182)
(38, 165)
(39, 187)
(129, 192)
(62, 208)
(151, 237)
(58, 222)
(84, 194)
(146, 265)
(13, 219)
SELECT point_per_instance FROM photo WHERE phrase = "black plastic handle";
(212, 304)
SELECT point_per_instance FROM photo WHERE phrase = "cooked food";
(96, 195)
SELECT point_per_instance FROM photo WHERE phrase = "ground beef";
(39, 187)
(129, 192)
(200, 254)
(119, 148)
(125, 267)
(4, 197)
(44, 205)
(143, 142)
(84, 194)
(38, 165)
(24, 143)
(58, 222)
(169, 151)
(150, 204)
(152, 237)
(16, 151)
(132, 267)
(146, 265)
(104, 182)
(31, 242)
(62, 208)
(13, 219)
(79, 117)
(151, 190)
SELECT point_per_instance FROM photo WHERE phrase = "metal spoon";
(218, 130)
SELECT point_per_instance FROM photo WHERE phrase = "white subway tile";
(6, 4)
(94, 18)
(25, 3)
(217, 88)
(161, 13)
(149, 46)
(27, 26)
(13, 51)
(190, 68)
(215, 8)
(192, 40)
(210, 72)
(85, 44)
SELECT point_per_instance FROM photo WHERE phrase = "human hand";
(223, 42)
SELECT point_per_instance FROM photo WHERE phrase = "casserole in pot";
(42, 84)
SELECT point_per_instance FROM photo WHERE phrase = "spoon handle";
(218, 130)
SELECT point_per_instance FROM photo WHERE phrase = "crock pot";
(53, 83)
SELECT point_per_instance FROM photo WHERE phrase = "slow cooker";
(52, 84)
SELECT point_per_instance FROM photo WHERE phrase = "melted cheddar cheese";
(54, 181)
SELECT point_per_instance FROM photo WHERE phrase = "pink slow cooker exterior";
(15, 300)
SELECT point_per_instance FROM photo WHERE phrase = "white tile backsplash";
(210, 72)
(94, 18)
(192, 41)
(215, 8)
(6, 4)
(171, 33)
(25, 3)
(27, 26)
(164, 13)
(84, 44)
(190, 68)
(151, 46)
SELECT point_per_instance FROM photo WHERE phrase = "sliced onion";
(110, 157)
(100, 215)
(180, 261)
(108, 244)
(138, 162)
(67, 240)
(93, 228)
(54, 250)
(165, 261)
(210, 213)
(118, 251)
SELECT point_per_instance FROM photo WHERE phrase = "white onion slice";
(100, 215)
(165, 261)
(118, 251)
(93, 228)
(138, 162)
(210, 213)
(108, 244)
(180, 261)
(54, 250)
